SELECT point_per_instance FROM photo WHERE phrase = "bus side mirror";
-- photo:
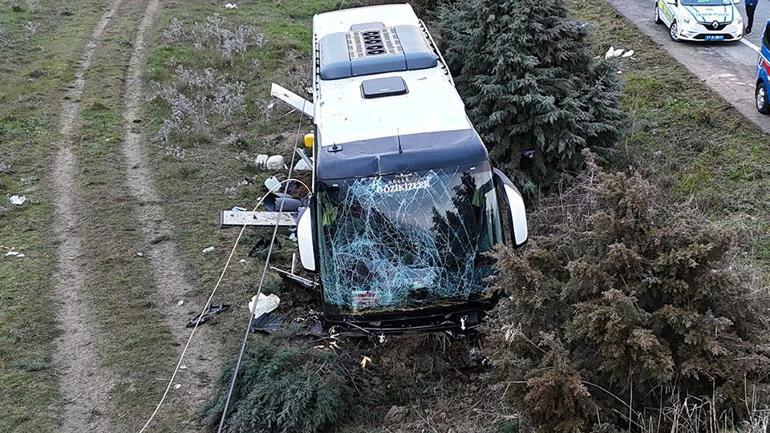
(305, 239)
(517, 213)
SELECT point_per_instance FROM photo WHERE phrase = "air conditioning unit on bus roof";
(373, 48)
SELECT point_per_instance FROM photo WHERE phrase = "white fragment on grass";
(183, 367)
(612, 52)
(14, 253)
(243, 260)
(177, 386)
(264, 305)
(275, 162)
(365, 360)
(272, 184)
(207, 250)
(18, 200)
(180, 302)
(629, 53)
(231, 6)
(261, 160)
(140, 254)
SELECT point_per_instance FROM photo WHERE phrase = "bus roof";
(351, 101)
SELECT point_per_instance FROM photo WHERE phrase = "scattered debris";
(365, 360)
(203, 318)
(140, 254)
(183, 367)
(266, 323)
(18, 200)
(628, 53)
(14, 253)
(261, 161)
(612, 52)
(177, 386)
(207, 250)
(302, 281)
(231, 6)
(242, 261)
(275, 162)
(272, 184)
(180, 302)
(264, 305)
(278, 201)
(302, 165)
(239, 209)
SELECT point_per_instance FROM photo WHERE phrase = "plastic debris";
(177, 386)
(302, 165)
(239, 209)
(140, 254)
(231, 6)
(183, 367)
(18, 199)
(275, 162)
(267, 323)
(612, 52)
(14, 253)
(628, 53)
(264, 304)
(180, 302)
(203, 318)
(207, 250)
(365, 360)
(273, 184)
(261, 161)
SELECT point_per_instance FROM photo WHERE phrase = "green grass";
(34, 70)
(684, 135)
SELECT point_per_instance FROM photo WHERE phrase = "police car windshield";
(706, 2)
(407, 240)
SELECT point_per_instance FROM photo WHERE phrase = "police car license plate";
(715, 37)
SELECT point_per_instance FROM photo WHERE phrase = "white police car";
(700, 20)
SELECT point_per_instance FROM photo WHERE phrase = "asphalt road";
(728, 68)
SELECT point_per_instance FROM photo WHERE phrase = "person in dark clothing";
(751, 6)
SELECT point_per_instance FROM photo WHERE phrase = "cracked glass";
(407, 240)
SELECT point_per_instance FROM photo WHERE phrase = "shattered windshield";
(407, 240)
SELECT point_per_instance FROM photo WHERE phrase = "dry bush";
(195, 100)
(624, 305)
(217, 36)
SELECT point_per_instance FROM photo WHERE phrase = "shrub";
(284, 385)
(531, 85)
(623, 305)
(195, 99)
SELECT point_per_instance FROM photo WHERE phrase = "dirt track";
(169, 271)
(84, 385)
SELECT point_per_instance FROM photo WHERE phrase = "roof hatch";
(382, 87)
(373, 48)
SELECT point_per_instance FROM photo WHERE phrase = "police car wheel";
(763, 104)
(657, 14)
(673, 32)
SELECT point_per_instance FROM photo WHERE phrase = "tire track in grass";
(84, 385)
(169, 271)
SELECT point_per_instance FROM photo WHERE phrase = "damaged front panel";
(407, 240)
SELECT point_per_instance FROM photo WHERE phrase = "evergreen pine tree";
(531, 85)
